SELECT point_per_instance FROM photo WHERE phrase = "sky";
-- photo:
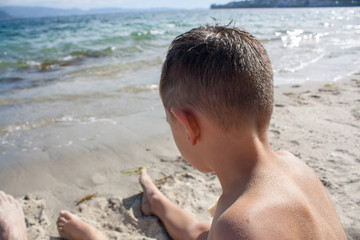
(88, 4)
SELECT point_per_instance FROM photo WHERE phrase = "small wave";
(32, 63)
(119, 67)
(92, 53)
(157, 32)
(54, 98)
(4, 64)
(10, 79)
(73, 58)
(28, 126)
(301, 65)
(139, 89)
(270, 39)
(141, 63)
(292, 38)
(23, 84)
(46, 65)
(49, 75)
(295, 32)
(146, 35)
(56, 64)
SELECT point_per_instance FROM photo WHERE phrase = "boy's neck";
(237, 157)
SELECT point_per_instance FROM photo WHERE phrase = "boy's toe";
(65, 214)
(2, 196)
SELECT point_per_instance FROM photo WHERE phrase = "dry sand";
(318, 123)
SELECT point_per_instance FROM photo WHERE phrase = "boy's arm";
(179, 223)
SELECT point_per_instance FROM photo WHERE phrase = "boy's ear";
(190, 123)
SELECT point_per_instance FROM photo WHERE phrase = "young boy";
(217, 90)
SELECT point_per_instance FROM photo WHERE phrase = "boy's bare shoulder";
(289, 202)
(254, 219)
(231, 225)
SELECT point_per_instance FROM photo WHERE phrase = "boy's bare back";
(285, 200)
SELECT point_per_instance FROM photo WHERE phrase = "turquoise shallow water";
(36, 50)
(61, 72)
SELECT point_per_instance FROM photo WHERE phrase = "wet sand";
(318, 122)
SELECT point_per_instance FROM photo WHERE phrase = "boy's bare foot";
(151, 193)
(72, 227)
(12, 223)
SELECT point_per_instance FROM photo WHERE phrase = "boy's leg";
(12, 222)
(72, 227)
(179, 223)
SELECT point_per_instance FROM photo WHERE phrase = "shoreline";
(317, 122)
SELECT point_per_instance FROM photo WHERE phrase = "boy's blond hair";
(221, 71)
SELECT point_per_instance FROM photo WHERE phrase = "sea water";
(64, 73)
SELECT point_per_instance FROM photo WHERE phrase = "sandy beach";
(317, 122)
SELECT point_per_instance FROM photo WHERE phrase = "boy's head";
(222, 72)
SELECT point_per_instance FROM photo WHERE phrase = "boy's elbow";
(200, 231)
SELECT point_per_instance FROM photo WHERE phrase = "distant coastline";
(15, 12)
(287, 4)
(12, 12)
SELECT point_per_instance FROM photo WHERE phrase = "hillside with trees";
(288, 3)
